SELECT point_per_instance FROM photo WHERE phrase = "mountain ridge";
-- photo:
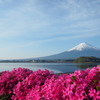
(83, 49)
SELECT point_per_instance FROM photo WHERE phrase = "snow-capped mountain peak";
(82, 46)
(83, 49)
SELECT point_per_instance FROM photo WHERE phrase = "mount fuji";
(83, 49)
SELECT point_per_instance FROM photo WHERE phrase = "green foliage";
(73, 77)
(5, 97)
(87, 59)
(97, 88)
(95, 81)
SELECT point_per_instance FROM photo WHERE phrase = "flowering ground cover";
(24, 84)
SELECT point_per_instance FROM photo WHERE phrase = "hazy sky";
(33, 28)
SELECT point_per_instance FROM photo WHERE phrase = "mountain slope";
(83, 49)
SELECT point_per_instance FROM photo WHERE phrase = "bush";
(24, 84)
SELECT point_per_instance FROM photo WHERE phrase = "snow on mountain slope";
(83, 46)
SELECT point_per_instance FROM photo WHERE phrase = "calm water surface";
(56, 67)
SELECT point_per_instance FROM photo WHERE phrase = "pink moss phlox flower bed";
(24, 84)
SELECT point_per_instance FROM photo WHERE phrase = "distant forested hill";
(87, 59)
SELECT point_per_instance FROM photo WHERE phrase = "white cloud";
(30, 17)
(60, 38)
(22, 19)
(77, 9)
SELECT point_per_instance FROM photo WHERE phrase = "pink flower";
(94, 94)
(24, 84)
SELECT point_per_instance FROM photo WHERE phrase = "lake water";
(56, 67)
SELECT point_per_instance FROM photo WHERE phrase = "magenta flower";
(24, 84)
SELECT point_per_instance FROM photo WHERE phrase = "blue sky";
(34, 28)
